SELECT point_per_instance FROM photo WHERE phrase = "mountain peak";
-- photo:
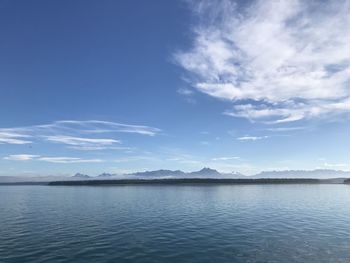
(206, 171)
(80, 175)
(106, 175)
(160, 172)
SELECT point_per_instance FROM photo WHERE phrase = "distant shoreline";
(183, 182)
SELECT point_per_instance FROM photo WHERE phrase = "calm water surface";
(252, 223)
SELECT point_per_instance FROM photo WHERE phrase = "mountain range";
(82, 176)
(212, 173)
(203, 173)
(318, 173)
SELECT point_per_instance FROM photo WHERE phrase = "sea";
(175, 223)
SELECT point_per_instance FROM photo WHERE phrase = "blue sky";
(123, 86)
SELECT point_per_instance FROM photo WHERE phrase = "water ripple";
(255, 223)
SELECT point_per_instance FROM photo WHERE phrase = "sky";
(122, 86)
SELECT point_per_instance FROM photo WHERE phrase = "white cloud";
(79, 141)
(69, 160)
(21, 157)
(135, 159)
(185, 91)
(189, 162)
(74, 133)
(285, 129)
(335, 165)
(79, 127)
(277, 61)
(98, 148)
(83, 143)
(31, 157)
(187, 94)
(13, 138)
(251, 138)
(176, 155)
(96, 126)
(228, 158)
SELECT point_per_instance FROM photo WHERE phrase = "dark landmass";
(24, 183)
(186, 181)
(347, 181)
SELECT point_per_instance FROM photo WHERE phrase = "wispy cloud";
(185, 91)
(134, 159)
(227, 158)
(69, 160)
(191, 162)
(96, 126)
(335, 165)
(251, 138)
(277, 61)
(176, 155)
(285, 129)
(187, 94)
(82, 135)
(21, 157)
(83, 143)
(13, 138)
(28, 157)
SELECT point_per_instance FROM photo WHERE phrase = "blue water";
(244, 223)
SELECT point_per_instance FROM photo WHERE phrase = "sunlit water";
(245, 223)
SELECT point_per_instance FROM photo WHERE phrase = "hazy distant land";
(186, 181)
(203, 176)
